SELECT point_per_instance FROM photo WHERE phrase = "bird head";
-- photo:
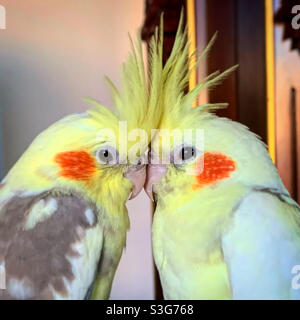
(193, 151)
(101, 153)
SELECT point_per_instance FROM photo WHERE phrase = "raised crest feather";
(143, 98)
(176, 73)
(136, 101)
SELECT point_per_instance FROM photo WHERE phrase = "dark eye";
(183, 154)
(107, 155)
(187, 153)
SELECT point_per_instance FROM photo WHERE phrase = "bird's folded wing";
(50, 246)
(262, 247)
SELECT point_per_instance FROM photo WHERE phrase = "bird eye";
(187, 153)
(107, 155)
(183, 154)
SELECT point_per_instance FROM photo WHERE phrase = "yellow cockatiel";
(63, 219)
(224, 226)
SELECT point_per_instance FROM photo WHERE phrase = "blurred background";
(53, 53)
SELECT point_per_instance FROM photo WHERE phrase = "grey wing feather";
(43, 247)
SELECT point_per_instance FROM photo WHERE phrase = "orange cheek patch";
(217, 167)
(76, 165)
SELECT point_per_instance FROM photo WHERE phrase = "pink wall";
(287, 66)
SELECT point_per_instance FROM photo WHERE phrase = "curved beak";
(137, 176)
(155, 173)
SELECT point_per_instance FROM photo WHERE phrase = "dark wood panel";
(221, 18)
(252, 68)
(241, 40)
(171, 10)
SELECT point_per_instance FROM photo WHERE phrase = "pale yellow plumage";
(231, 230)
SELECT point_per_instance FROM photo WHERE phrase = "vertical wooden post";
(270, 77)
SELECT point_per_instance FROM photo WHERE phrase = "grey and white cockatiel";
(63, 219)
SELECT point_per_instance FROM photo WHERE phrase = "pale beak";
(155, 173)
(137, 176)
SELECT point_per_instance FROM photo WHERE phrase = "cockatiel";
(224, 226)
(63, 219)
